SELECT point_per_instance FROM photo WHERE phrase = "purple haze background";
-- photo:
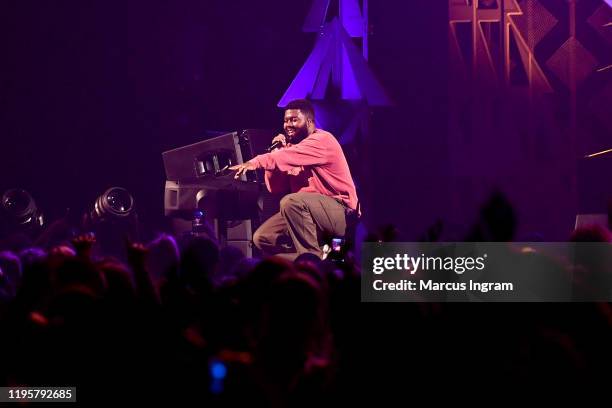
(91, 94)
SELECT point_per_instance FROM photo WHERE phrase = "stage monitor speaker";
(246, 247)
(223, 199)
(239, 233)
(198, 178)
(206, 159)
(210, 158)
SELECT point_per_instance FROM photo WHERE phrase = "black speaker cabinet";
(210, 158)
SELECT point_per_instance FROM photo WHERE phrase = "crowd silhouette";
(182, 319)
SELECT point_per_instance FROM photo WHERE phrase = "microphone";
(274, 145)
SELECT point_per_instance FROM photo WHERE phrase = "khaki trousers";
(304, 221)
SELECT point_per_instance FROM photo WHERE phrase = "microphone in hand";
(279, 141)
(275, 145)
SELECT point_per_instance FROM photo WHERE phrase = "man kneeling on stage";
(309, 165)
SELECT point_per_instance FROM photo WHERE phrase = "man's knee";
(290, 201)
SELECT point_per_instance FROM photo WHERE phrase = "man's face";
(296, 125)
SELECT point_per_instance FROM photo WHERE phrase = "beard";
(298, 135)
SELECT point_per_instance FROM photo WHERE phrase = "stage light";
(114, 203)
(113, 219)
(218, 370)
(19, 209)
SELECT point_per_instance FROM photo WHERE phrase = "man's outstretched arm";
(312, 151)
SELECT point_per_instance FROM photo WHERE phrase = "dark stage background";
(93, 92)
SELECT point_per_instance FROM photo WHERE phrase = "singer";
(308, 165)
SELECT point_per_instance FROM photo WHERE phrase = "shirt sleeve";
(312, 151)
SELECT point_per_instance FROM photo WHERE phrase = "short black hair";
(304, 105)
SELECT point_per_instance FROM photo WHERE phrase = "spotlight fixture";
(115, 203)
(19, 209)
(113, 219)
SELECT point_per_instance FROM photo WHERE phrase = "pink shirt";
(316, 164)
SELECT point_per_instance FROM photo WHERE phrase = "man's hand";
(280, 138)
(136, 254)
(83, 244)
(243, 168)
